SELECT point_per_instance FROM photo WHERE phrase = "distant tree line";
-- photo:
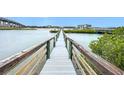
(43, 26)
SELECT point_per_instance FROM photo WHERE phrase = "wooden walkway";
(59, 62)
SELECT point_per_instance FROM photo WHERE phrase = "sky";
(70, 21)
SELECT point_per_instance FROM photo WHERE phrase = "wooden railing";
(30, 61)
(87, 63)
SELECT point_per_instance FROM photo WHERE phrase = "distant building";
(103, 28)
(84, 26)
(49, 26)
(69, 27)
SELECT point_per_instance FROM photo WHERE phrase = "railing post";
(65, 42)
(56, 37)
(48, 49)
(54, 41)
(70, 50)
(65, 39)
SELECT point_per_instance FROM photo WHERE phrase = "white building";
(84, 26)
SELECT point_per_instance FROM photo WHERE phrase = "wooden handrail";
(103, 66)
(8, 63)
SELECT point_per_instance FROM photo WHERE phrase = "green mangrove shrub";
(111, 47)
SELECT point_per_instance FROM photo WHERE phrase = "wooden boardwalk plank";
(59, 62)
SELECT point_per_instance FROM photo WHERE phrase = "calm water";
(84, 39)
(12, 42)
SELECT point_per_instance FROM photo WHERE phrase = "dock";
(59, 62)
(59, 55)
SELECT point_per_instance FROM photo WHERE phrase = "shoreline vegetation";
(53, 31)
(15, 28)
(88, 31)
(111, 47)
(76, 31)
